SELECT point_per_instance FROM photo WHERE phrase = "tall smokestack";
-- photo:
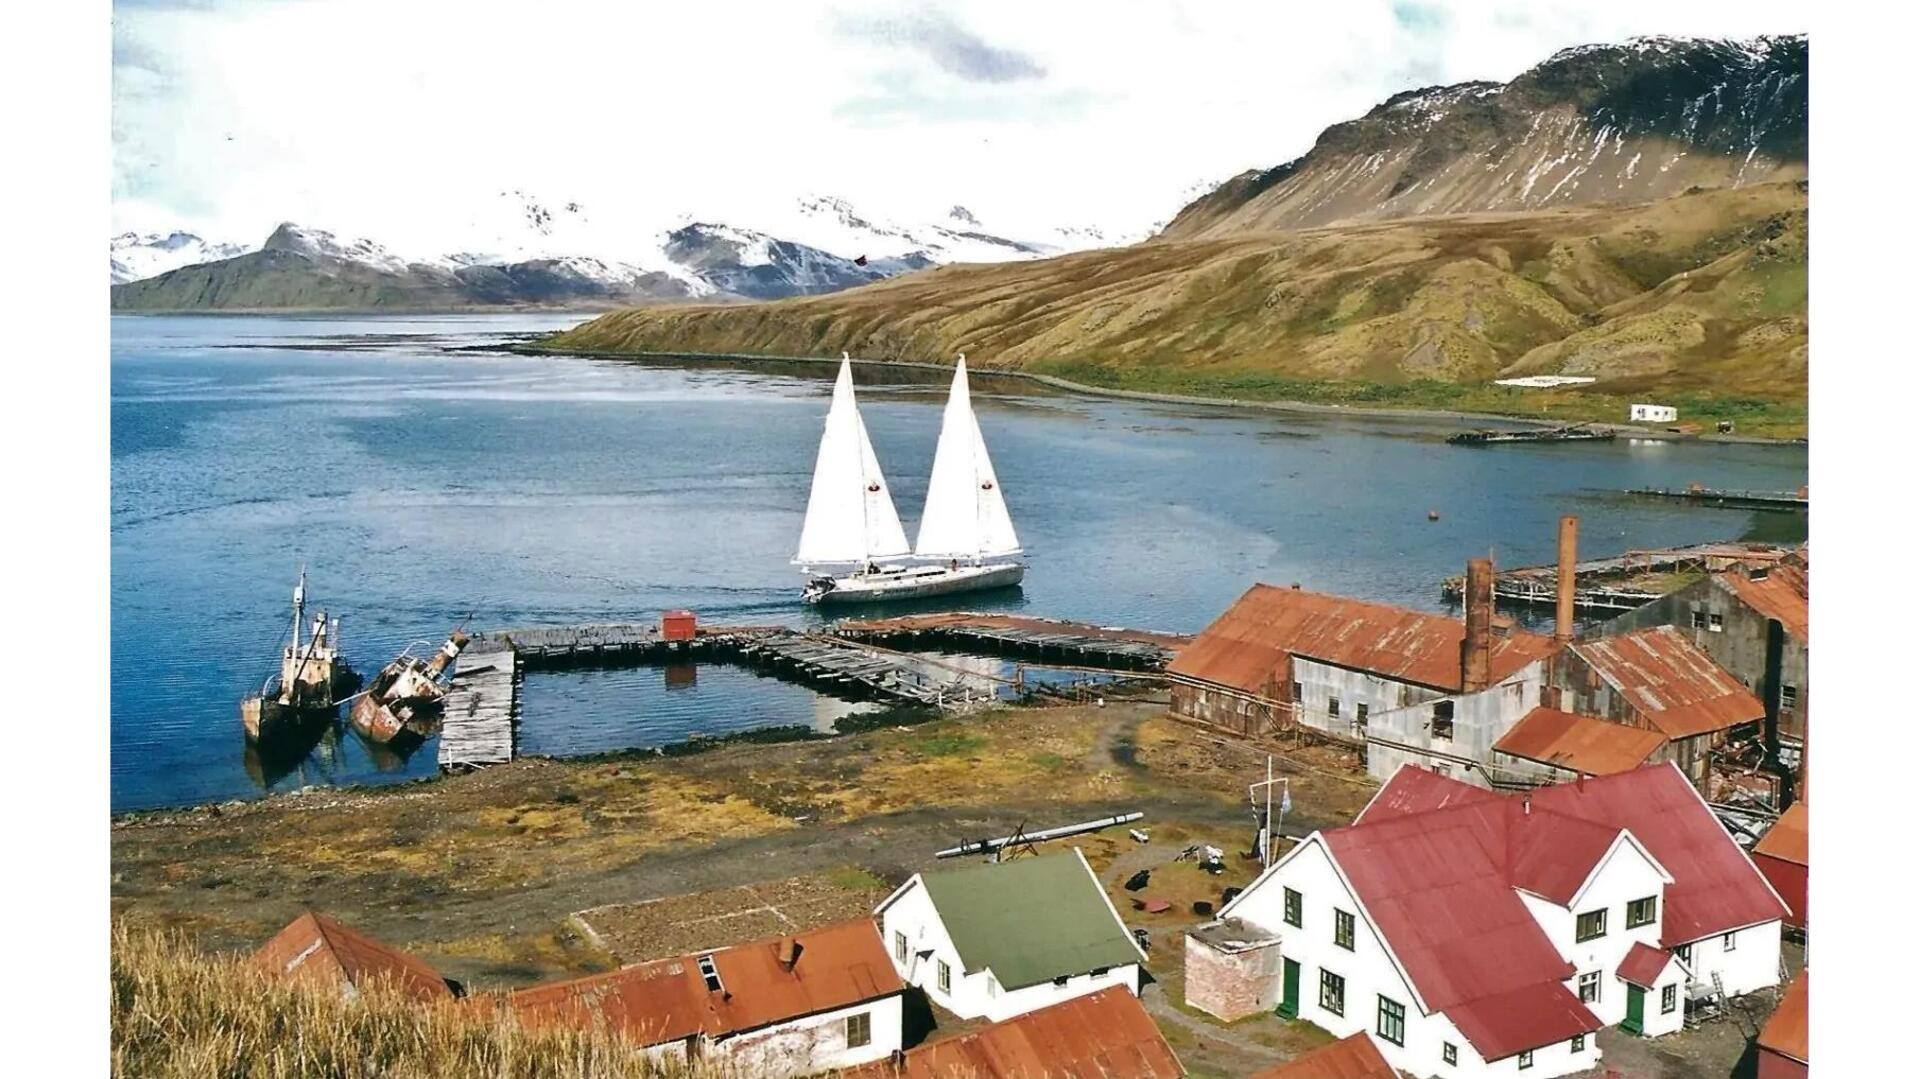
(1476, 648)
(1566, 578)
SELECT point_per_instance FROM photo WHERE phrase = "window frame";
(943, 976)
(1526, 1059)
(1669, 999)
(1440, 727)
(1653, 911)
(1580, 935)
(1716, 623)
(1730, 942)
(1343, 920)
(1293, 908)
(1390, 1009)
(900, 951)
(1449, 1053)
(1333, 707)
(865, 1022)
(1299, 694)
(1589, 980)
(1578, 1044)
(1338, 984)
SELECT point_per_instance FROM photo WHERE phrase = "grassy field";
(1697, 301)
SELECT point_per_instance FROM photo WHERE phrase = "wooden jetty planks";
(1106, 647)
(482, 706)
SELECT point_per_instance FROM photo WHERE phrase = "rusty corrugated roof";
(1781, 594)
(1246, 646)
(1352, 1057)
(1670, 681)
(1584, 744)
(1786, 1029)
(316, 947)
(668, 999)
(1787, 839)
(1642, 964)
(1104, 1035)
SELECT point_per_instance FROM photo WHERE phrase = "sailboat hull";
(916, 582)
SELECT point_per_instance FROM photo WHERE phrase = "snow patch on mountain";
(137, 255)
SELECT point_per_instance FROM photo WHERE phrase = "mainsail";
(966, 515)
(850, 515)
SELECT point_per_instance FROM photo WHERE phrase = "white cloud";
(408, 119)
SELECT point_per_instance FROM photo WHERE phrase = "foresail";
(850, 516)
(966, 513)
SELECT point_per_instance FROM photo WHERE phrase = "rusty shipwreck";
(311, 680)
(403, 700)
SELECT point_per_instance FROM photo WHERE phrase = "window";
(1391, 1023)
(1443, 721)
(1579, 1043)
(1729, 942)
(1640, 912)
(1297, 695)
(710, 973)
(944, 976)
(1526, 1060)
(1699, 619)
(1590, 925)
(1715, 624)
(1333, 992)
(1449, 1053)
(859, 1030)
(1333, 707)
(1590, 987)
(1669, 999)
(899, 946)
(1292, 909)
(1360, 716)
(1343, 929)
(1684, 953)
(1789, 697)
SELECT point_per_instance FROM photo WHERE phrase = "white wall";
(1370, 973)
(1754, 963)
(979, 994)
(1624, 875)
(815, 1043)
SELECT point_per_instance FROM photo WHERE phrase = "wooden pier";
(482, 707)
(1022, 637)
(1579, 432)
(1623, 582)
(1782, 501)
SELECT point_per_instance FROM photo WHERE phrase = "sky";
(425, 123)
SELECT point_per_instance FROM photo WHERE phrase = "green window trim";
(1449, 1053)
(1333, 992)
(1526, 1059)
(1669, 999)
(944, 976)
(1590, 926)
(1343, 928)
(1642, 911)
(1579, 1044)
(1292, 903)
(1390, 1022)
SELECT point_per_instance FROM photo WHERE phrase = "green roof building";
(1002, 939)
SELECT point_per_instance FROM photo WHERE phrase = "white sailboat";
(966, 540)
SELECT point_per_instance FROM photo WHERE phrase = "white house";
(816, 1001)
(1002, 939)
(1652, 413)
(1473, 933)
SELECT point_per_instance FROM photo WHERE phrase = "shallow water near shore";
(419, 482)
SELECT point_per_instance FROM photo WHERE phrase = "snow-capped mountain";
(135, 255)
(521, 249)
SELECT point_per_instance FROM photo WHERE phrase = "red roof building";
(1781, 856)
(706, 999)
(1352, 1057)
(1104, 1035)
(1518, 924)
(1782, 1043)
(315, 948)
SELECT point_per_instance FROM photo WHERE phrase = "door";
(1636, 1009)
(1289, 988)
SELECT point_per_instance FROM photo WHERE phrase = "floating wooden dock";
(1023, 637)
(1623, 582)
(1784, 501)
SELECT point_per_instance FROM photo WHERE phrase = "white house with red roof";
(1475, 933)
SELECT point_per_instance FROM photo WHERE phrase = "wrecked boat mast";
(405, 697)
(310, 679)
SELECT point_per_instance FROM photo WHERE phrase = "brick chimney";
(1566, 578)
(1476, 648)
(789, 954)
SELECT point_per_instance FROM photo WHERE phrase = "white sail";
(966, 514)
(850, 515)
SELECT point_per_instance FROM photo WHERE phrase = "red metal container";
(677, 625)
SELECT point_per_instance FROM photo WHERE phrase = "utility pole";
(1266, 821)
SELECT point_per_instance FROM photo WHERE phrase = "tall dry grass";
(178, 1011)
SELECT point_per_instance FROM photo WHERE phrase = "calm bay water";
(418, 483)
